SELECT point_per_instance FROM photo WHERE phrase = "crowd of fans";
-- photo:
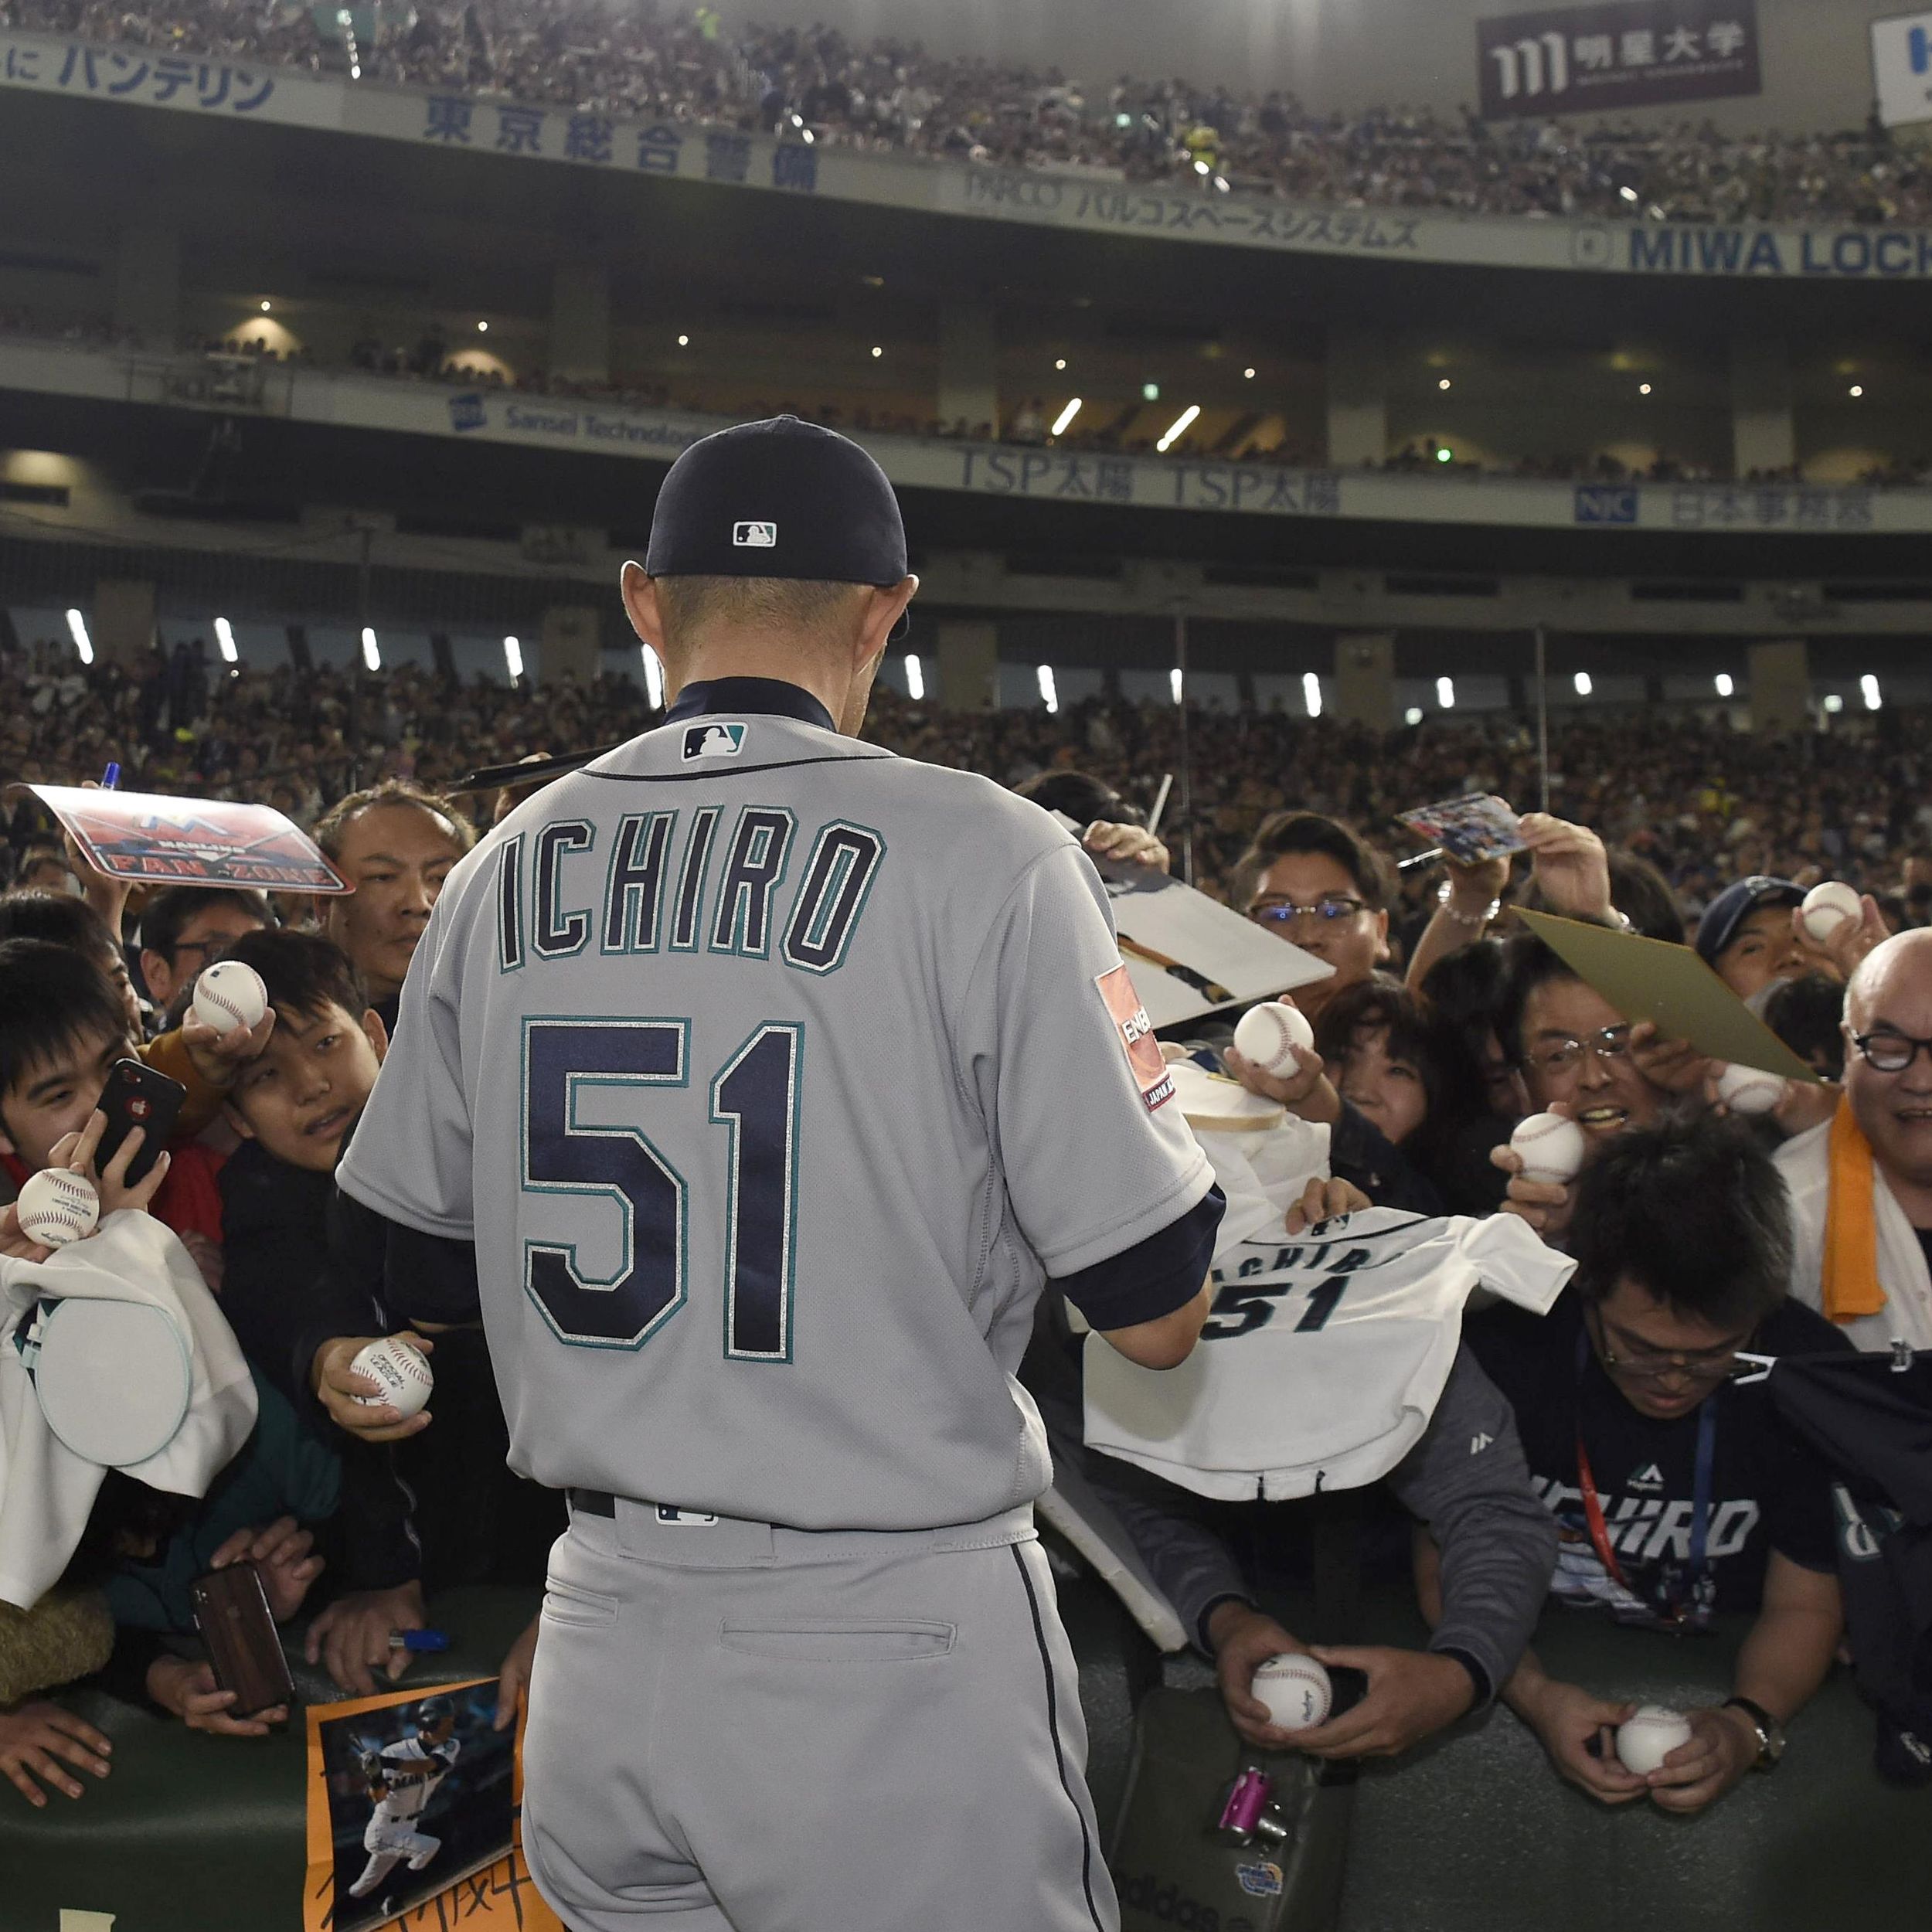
(1440, 1026)
(635, 60)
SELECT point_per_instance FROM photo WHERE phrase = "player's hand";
(1571, 865)
(281, 1555)
(1129, 844)
(1722, 1747)
(337, 1387)
(219, 1057)
(75, 1152)
(1567, 1718)
(1851, 939)
(513, 1681)
(1412, 1695)
(1307, 1088)
(1547, 1205)
(188, 1690)
(1671, 1065)
(350, 1638)
(1322, 1201)
(35, 1736)
(1244, 1639)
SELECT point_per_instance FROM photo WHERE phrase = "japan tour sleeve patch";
(1136, 1034)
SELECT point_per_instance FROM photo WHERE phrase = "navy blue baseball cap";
(779, 498)
(1735, 904)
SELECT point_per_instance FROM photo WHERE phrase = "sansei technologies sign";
(1597, 60)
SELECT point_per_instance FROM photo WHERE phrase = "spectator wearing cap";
(1748, 937)
(1861, 1184)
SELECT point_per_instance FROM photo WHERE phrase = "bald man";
(1861, 1185)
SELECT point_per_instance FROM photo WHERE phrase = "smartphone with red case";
(136, 1096)
(232, 1613)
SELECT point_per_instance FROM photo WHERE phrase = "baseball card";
(409, 1795)
(1469, 829)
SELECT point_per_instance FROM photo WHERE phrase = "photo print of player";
(418, 1792)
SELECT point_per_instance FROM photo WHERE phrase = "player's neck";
(823, 673)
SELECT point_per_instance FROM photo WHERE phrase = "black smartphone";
(136, 1096)
(232, 1613)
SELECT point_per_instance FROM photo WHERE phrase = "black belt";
(592, 1502)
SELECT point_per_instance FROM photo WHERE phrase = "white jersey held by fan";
(1323, 1359)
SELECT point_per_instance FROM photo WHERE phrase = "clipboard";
(1669, 985)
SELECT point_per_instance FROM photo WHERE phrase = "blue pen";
(110, 778)
(418, 1640)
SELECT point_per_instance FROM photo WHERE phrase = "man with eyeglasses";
(184, 927)
(1861, 1184)
(1678, 1492)
(1311, 880)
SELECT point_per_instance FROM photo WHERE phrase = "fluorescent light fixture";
(1725, 685)
(1178, 428)
(513, 657)
(1065, 415)
(1048, 695)
(1868, 688)
(371, 650)
(224, 639)
(1413, 716)
(1311, 693)
(77, 628)
(1584, 686)
(653, 678)
(1174, 682)
(1835, 703)
(1150, 392)
(915, 678)
(1446, 693)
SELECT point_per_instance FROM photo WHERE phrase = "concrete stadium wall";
(1341, 55)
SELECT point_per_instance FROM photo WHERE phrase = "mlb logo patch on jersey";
(1136, 1033)
(754, 536)
(713, 741)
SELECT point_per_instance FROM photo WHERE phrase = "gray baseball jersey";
(772, 1073)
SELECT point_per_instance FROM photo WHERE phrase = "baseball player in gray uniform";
(772, 1075)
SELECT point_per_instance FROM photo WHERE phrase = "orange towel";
(1851, 1283)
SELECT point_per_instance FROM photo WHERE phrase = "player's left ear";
(378, 1033)
(885, 605)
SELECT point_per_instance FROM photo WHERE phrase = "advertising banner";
(1902, 68)
(1639, 53)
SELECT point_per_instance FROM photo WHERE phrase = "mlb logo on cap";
(755, 537)
(713, 741)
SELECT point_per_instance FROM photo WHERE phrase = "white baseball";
(1266, 1034)
(1827, 907)
(1644, 1741)
(57, 1205)
(402, 1368)
(1296, 1690)
(1552, 1148)
(230, 994)
(1750, 1090)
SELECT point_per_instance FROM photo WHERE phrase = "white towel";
(46, 1490)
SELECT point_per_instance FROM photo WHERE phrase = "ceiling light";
(1869, 688)
(1174, 683)
(1311, 693)
(1413, 716)
(1446, 693)
(1150, 392)
(225, 641)
(1584, 686)
(77, 630)
(1445, 455)
(265, 307)
(482, 329)
(1049, 696)
(684, 342)
(1065, 415)
(1725, 685)
(653, 678)
(1857, 389)
(371, 650)
(1643, 389)
(877, 351)
(1249, 374)
(1059, 362)
(915, 678)
(1444, 383)
(1178, 428)
(513, 658)
(1835, 703)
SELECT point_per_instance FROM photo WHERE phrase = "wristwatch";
(1770, 1732)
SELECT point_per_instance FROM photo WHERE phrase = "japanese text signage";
(1597, 59)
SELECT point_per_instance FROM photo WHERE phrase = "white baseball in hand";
(57, 1205)
(1645, 1739)
(402, 1368)
(1266, 1034)
(1296, 1689)
(1750, 1090)
(1552, 1148)
(1826, 908)
(230, 994)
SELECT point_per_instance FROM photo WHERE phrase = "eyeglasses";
(1890, 1052)
(1637, 1363)
(1608, 1045)
(1284, 912)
